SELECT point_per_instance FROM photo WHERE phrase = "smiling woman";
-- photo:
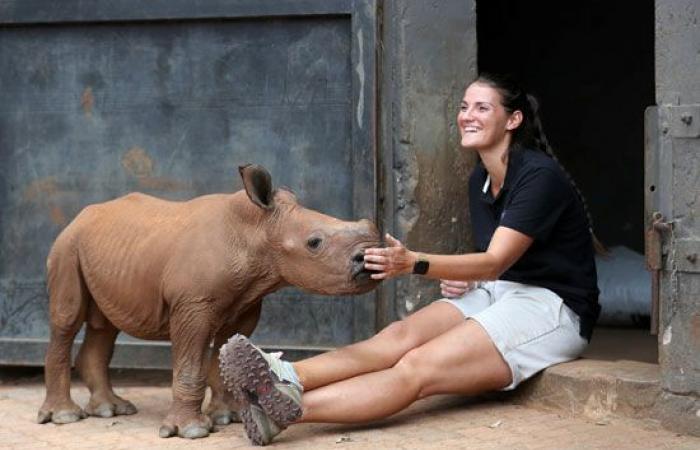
(482, 119)
(525, 300)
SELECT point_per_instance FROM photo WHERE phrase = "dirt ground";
(446, 422)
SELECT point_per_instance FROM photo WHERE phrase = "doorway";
(591, 64)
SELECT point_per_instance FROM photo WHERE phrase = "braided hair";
(530, 133)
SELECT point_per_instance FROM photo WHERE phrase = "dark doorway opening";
(591, 64)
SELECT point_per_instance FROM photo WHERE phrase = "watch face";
(421, 267)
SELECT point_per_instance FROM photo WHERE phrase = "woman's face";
(482, 120)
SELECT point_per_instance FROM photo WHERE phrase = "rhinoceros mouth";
(363, 274)
(359, 273)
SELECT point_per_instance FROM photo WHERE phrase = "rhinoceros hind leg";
(68, 300)
(93, 365)
(58, 406)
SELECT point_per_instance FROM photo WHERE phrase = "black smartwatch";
(421, 266)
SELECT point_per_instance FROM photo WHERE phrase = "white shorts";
(531, 326)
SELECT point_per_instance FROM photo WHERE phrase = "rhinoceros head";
(311, 250)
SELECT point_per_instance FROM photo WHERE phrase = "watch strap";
(421, 266)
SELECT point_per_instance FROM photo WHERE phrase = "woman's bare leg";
(380, 351)
(463, 360)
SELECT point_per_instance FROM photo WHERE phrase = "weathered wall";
(428, 56)
(678, 84)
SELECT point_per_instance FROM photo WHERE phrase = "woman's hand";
(453, 289)
(389, 261)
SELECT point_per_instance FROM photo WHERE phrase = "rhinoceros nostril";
(359, 258)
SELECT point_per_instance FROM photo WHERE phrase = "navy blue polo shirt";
(537, 199)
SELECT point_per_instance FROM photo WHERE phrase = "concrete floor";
(633, 344)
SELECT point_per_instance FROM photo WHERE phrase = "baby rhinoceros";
(192, 272)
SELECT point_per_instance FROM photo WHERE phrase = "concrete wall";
(678, 84)
(428, 56)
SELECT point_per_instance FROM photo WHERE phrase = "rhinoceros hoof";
(61, 416)
(224, 417)
(193, 429)
(111, 409)
(189, 432)
(194, 432)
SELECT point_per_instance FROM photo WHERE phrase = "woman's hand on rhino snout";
(390, 261)
(453, 288)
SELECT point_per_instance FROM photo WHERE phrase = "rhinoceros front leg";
(190, 333)
(222, 407)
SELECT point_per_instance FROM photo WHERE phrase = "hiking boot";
(259, 427)
(257, 380)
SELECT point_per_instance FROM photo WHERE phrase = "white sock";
(285, 369)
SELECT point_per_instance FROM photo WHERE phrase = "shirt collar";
(487, 184)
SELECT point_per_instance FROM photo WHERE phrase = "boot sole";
(251, 428)
(248, 376)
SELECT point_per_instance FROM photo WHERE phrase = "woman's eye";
(483, 109)
(314, 243)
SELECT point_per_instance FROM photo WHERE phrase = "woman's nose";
(465, 114)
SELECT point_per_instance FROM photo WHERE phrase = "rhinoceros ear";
(258, 185)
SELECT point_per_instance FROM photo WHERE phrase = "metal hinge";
(653, 251)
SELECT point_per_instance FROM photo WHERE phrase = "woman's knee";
(388, 345)
(416, 371)
(430, 371)
(396, 337)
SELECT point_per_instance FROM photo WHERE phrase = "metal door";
(673, 191)
(102, 98)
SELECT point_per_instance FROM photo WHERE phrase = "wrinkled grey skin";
(193, 272)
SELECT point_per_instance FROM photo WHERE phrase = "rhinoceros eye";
(314, 243)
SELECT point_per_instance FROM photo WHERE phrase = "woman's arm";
(505, 248)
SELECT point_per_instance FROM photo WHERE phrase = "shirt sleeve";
(536, 203)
